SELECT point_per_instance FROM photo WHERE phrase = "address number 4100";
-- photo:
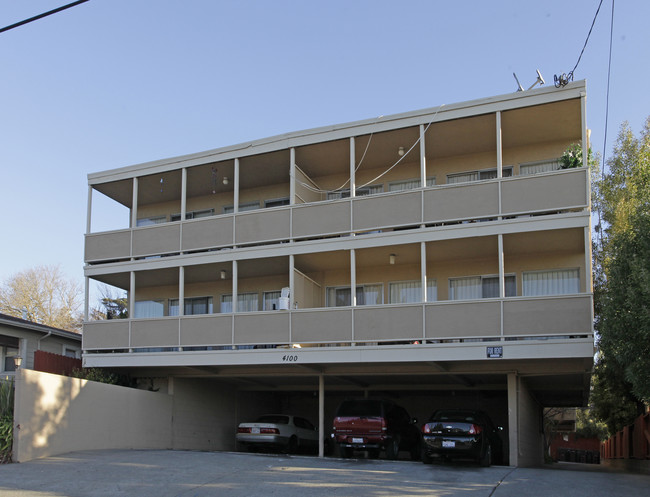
(289, 358)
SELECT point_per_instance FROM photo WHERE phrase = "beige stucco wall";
(56, 414)
(531, 442)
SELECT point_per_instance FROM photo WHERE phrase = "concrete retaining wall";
(56, 414)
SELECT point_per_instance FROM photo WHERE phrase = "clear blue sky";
(111, 83)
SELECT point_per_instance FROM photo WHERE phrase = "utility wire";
(565, 79)
(41, 16)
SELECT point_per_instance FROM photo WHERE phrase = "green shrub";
(6, 419)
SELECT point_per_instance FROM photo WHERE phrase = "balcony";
(506, 197)
(490, 320)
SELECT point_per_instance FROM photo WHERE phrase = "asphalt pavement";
(157, 473)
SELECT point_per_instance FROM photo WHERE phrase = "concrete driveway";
(158, 473)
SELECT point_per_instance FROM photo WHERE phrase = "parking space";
(198, 474)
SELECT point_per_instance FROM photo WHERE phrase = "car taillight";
(273, 431)
(383, 425)
(475, 430)
(426, 428)
(243, 430)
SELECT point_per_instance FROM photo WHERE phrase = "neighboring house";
(437, 256)
(25, 339)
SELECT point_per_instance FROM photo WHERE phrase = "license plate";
(255, 430)
(357, 440)
(448, 444)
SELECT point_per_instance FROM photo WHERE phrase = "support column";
(513, 418)
(353, 278)
(502, 278)
(236, 188)
(353, 166)
(423, 269)
(181, 290)
(292, 176)
(134, 204)
(499, 147)
(86, 298)
(585, 138)
(131, 295)
(89, 210)
(292, 279)
(321, 415)
(183, 193)
(423, 159)
(234, 287)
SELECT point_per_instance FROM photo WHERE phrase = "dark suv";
(375, 425)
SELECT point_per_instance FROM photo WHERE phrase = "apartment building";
(439, 257)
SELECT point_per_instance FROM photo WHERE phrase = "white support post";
(89, 210)
(585, 138)
(292, 280)
(292, 176)
(234, 286)
(353, 165)
(132, 295)
(236, 188)
(423, 269)
(181, 290)
(134, 204)
(353, 278)
(499, 147)
(423, 159)
(86, 298)
(321, 415)
(183, 193)
(502, 278)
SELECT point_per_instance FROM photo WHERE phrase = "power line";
(41, 16)
(565, 79)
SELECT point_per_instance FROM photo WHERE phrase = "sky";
(112, 83)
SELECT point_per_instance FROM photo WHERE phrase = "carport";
(512, 392)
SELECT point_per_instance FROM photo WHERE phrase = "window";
(539, 167)
(194, 305)
(194, 214)
(480, 287)
(477, 175)
(405, 292)
(276, 202)
(271, 301)
(409, 184)
(248, 206)
(8, 354)
(359, 192)
(553, 282)
(246, 302)
(366, 295)
(149, 221)
(70, 352)
(149, 309)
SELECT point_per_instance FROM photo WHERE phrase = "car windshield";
(466, 416)
(360, 408)
(273, 418)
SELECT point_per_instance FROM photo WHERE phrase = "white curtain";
(193, 305)
(246, 302)
(555, 282)
(366, 295)
(149, 309)
(432, 290)
(465, 288)
(462, 177)
(271, 301)
(539, 167)
(398, 186)
(405, 292)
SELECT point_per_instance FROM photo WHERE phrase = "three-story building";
(440, 256)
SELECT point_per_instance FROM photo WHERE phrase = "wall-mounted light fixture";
(391, 259)
(223, 274)
(400, 151)
(18, 361)
(225, 180)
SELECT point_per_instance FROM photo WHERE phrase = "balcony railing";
(513, 196)
(482, 320)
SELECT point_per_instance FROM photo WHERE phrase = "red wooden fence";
(55, 363)
(632, 442)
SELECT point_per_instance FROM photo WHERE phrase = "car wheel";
(424, 455)
(292, 445)
(486, 458)
(392, 448)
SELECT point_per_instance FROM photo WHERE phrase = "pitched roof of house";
(30, 325)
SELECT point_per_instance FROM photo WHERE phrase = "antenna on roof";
(539, 81)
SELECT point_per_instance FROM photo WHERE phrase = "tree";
(113, 306)
(622, 281)
(44, 296)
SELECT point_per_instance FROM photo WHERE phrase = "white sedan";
(291, 433)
